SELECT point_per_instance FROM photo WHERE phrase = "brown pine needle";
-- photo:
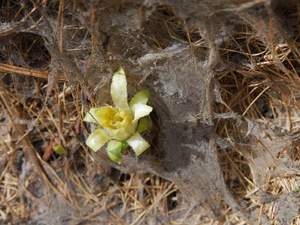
(7, 68)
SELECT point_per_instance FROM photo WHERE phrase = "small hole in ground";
(172, 201)
(26, 49)
(118, 176)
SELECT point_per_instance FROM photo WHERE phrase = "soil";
(224, 83)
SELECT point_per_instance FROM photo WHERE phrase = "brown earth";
(223, 77)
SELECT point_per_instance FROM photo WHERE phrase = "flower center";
(114, 118)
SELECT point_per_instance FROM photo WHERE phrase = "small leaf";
(97, 139)
(140, 97)
(114, 151)
(138, 144)
(145, 124)
(118, 89)
(141, 110)
(59, 149)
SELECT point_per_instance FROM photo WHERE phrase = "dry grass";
(75, 177)
(264, 88)
(261, 84)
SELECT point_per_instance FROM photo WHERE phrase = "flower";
(119, 126)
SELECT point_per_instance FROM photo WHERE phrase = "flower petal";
(140, 110)
(138, 144)
(118, 89)
(140, 97)
(97, 139)
(114, 151)
(91, 116)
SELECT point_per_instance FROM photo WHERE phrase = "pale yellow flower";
(117, 125)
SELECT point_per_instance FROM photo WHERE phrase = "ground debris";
(224, 79)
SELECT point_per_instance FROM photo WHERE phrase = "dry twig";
(7, 68)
